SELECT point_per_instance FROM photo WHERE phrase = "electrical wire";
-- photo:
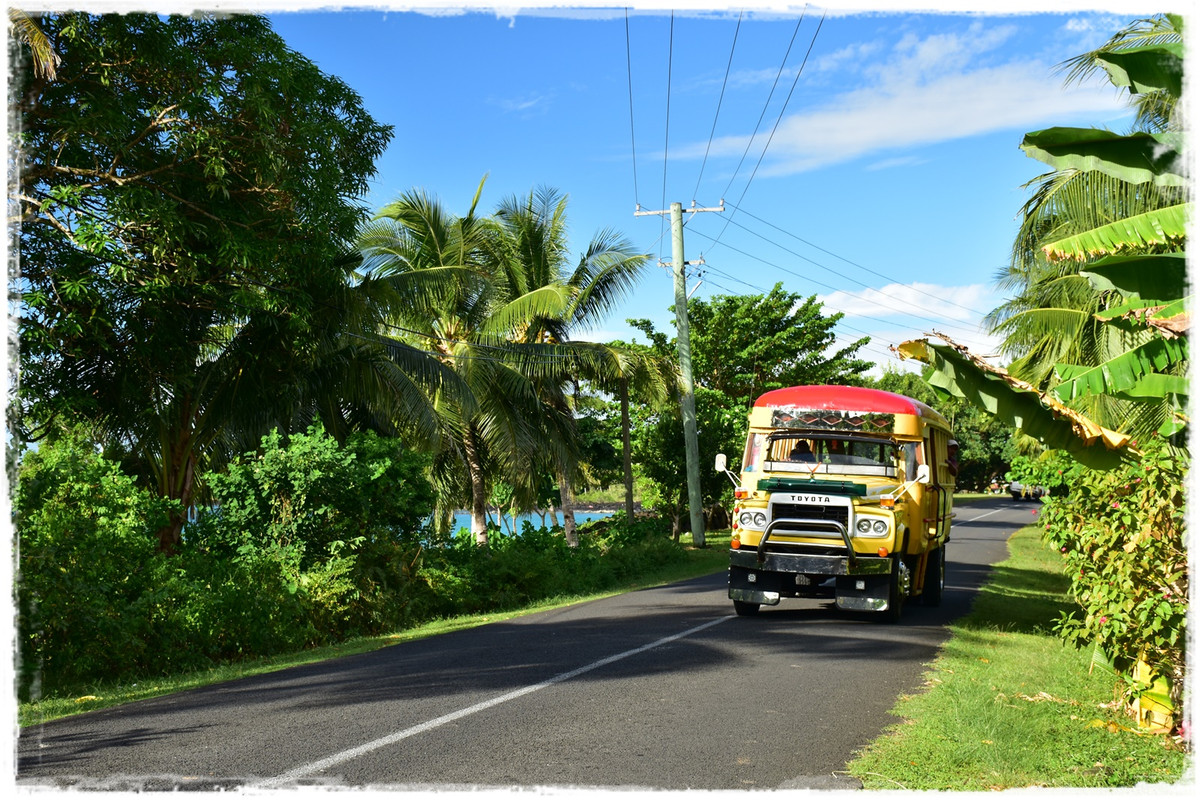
(832, 271)
(822, 284)
(632, 137)
(766, 105)
(838, 257)
(720, 99)
(667, 126)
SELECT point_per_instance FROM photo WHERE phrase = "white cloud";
(527, 105)
(901, 161)
(932, 89)
(962, 305)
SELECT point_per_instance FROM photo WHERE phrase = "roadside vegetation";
(1008, 705)
(684, 562)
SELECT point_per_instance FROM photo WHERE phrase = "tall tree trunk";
(177, 482)
(566, 496)
(627, 454)
(478, 495)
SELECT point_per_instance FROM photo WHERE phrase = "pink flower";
(1064, 547)
(1116, 504)
(1103, 620)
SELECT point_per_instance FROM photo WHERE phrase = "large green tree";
(187, 189)
(489, 300)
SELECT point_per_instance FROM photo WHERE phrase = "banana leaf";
(1121, 373)
(1161, 276)
(1152, 68)
(1135, 158)
(1170, 320)
(957, 373)
(1163, 226)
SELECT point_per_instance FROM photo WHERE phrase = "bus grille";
(839, 514)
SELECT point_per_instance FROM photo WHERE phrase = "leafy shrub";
(341, 523)
(88, 569)
(1121, 535)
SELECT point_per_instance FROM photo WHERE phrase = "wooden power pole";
(683, 345)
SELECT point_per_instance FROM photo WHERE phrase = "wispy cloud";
(902, 161)
(528, 105)
(926, 90)
(934, 303)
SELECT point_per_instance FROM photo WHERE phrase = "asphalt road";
(657, 689)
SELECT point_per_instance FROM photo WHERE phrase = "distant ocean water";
(462, 519)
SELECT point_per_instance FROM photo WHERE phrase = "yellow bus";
(844, 492)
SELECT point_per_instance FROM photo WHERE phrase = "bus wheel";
(895, 595)
(745, 609)
(935, 578)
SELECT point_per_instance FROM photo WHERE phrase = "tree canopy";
(187, 190)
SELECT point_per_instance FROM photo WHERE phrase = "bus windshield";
(835, 455)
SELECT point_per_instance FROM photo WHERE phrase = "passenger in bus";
(801, 452)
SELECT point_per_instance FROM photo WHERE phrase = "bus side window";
(910, 460)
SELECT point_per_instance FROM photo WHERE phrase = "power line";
(667, 127)
(839, 257)
(632, 138)
(834, 272)
(778, 119)
(822, 284)
(766, 105)
(720, 99)
(783, 108)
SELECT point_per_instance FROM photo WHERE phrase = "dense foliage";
(187, 190)
(1121, 533)
(310, 542)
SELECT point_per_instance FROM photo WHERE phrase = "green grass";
(713, 558)
(1008, 705)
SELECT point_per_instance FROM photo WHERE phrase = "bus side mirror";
(922, 473)
(722, 462)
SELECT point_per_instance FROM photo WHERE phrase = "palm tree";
(536, 256)
(448, 300)
(41, 50)
(1079, 212)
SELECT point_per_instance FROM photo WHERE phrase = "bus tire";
(935, 578)
(745, 609)
(895, 595)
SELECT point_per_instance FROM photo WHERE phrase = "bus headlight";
(871, 527)
(754, 520)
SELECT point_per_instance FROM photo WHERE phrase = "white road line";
(354, 752)
(981, 516)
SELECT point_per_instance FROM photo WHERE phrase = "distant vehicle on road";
(1020, 491)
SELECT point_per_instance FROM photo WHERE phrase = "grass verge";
(1008, 705)
(700, 561)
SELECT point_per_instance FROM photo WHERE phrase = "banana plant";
(958, 373)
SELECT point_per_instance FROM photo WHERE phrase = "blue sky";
(889, 187)
(876, 165)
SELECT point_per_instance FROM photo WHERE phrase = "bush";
(88, 570)
(1121, 535)
(308, 543)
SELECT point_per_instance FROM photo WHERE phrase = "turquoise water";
(462, 519)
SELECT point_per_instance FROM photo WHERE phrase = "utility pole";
(683, 344)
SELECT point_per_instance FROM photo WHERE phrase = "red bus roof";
(847, 398)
